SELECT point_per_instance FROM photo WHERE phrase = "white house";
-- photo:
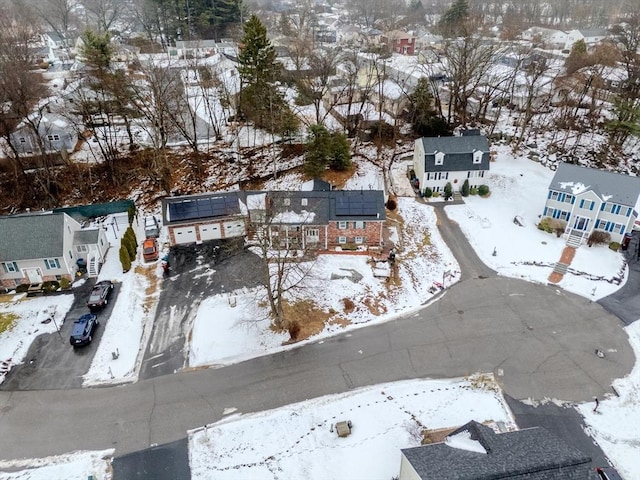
(55, 134)
(549, 37)
(590, 37)
(589, 199)
(439, 160)
(36, 248)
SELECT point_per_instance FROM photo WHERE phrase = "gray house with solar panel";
(441, 160)
(476, 452)
(588, 199)
(36, 248)
(319, 219)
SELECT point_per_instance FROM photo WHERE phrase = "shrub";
(448, 191)
(22, 288)
(464, 191)
(65, 284)
(436, 194)
(50, 286)
(130, 246)
(598, 237)
(131, 212)
(293, 327)
(614, 246)
(125, 260)
(551, 225)
(391, 204)
(428, 193)
(349, 306)
(473, 191)
(483, 190)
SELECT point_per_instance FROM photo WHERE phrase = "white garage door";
(185, 235)
(210, 232)
(233, 229)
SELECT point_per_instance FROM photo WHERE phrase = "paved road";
(541, 340)
(169, 461)
(538, 340)
(51, 362)
(625, 303)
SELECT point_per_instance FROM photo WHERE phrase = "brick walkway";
(567, 256)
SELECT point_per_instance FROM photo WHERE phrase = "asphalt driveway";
(196, 272)
(51, 362)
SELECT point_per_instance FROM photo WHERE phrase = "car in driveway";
(83, 330)
(100, 294)
(150, 250)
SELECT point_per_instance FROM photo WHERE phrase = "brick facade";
(371, 233)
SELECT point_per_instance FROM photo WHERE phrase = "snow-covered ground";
(300, 440)
(518, 187)
(71, 466)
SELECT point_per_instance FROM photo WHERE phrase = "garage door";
(185, 235)
(210, 232)
(233, 229)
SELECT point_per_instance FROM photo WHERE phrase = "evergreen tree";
(578, 57)
(97, 51)
(318, 150)
(465, 188)
(424, 119)
(125, 260)
(453, 20)
(448, 191)
(340, 156)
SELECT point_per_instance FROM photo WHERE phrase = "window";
(568, 198)
(343, 225)
(554, 196)
(342, 239)
(304, 202)
(359, 240)
(360, 224)
(51, 263)
(70, 254)
(313, 235)
(23, 140)
(477, 157)
(10, 267)
(82, 249)
(439, 158)
(587, 204)
(52, 138)
(286, 202)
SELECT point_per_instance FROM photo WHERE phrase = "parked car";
(150, 250)
(100, 294)
(151, 227)
(608, 473)
(83, 330)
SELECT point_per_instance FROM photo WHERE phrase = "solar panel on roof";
(201, 208)
(355, 205)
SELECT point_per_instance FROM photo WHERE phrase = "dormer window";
(439, 158)
(304, 202)
(477, 156)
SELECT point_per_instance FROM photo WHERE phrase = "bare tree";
(281, 235)
(103, 14)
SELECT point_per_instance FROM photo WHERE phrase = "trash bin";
(626, 240)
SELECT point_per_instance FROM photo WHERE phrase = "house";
(199, 218)
(398, 41)
(56, 134)
(589, 199)
(202, 48)
(476, 452)
(548, 37)
(320, 219)
(590, 37)
(57, 40)
(441, 160)
(36, 248)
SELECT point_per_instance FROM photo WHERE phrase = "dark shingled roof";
(188, 209)
(530, 454)
(609, 186)
(458, 153)
(25, 237)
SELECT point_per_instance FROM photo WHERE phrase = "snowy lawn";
(300, 441)
(71, 466)
(519, 188)
(22, 318)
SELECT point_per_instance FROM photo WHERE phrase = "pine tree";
(423, 117)
(340, 156)
(448, 191)
(318, 150)
(453, 19)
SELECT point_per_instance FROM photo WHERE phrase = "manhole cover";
(460, 312)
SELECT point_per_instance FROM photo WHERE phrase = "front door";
(34, 275)
(581, 223)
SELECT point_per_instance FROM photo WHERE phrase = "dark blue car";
(83, 330)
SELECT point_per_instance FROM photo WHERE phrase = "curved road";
(538, 340)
